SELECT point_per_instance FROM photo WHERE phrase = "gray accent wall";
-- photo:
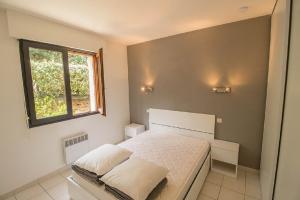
(183, 69)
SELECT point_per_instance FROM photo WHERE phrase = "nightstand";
(133, 130)
(224, 157)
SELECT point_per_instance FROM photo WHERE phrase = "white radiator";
(75, 147)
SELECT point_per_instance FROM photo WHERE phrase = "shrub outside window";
(61, 83)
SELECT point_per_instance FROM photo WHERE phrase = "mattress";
(182, 155)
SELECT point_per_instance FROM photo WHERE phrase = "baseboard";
(34, 182)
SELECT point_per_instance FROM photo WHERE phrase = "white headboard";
(194, 124)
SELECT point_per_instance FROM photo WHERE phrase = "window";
(61, 83)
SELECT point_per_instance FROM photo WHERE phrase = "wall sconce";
(146, 89)
(221, 89)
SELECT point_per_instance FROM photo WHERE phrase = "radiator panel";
(75, 147)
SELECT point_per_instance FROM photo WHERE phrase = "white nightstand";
(133, 130)
(224, 157)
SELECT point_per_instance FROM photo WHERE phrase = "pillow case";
(103, 159)
(135, 178)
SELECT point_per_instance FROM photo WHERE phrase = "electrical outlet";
(219, 120)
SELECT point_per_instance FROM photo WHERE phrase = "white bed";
(176, 140)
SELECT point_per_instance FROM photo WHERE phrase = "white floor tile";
(10, 198)
(66, 173)
(214, 177)
(253, 186)
(43, 196)
(250, 198)
(249, 170)
(211, 190)
(30, 193)
(227, 194)
(52, 181)
(237, 184)
(204, 197)
(60, 191)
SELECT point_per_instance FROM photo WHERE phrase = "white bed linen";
(181, 155)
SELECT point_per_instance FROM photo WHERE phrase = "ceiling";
(135, 21)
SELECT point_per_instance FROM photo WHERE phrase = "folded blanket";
(90, 176)
(122, 196)
(117, 193)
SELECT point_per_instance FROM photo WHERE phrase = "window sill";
(66, 119)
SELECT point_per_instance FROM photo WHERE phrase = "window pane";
(48, 82)
(82, 83)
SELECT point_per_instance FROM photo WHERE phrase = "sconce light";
(146, 89)
(221, 89)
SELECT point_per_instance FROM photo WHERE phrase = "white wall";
(288, 175)
(275, 94)
(26, 154)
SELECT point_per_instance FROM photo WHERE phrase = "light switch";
(219, 120)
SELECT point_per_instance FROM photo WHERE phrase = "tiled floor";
(216, 187)
(53, 188)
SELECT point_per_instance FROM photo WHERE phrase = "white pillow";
(103, 159)
(135, 177)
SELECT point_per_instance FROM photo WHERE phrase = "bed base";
(199, 180)
(77, 192)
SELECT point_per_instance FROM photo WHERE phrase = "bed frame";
(190, 124)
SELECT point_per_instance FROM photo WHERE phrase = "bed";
(176, 140)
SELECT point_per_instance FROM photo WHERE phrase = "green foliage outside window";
(48, 81)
